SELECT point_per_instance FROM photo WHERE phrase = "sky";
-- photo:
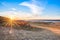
(30, 9)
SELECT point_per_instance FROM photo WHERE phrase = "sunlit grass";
(18, 24)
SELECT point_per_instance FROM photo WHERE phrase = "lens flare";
(10, 23)
(11, 17)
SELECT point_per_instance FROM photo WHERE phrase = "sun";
(11, 23)
(11, 17)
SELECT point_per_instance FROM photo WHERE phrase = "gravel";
(14, 34)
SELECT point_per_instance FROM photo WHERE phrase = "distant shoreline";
(44, 20)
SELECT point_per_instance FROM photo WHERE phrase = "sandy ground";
(14, 34)
(55, 29)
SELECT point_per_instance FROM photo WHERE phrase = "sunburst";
(10, 23)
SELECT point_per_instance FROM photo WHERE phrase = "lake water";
(50, 21)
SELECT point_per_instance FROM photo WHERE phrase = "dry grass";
(27, 35)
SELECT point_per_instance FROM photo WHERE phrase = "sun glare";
(11, 17)
(11, 23)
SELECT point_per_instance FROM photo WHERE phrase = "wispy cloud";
(13, 9)
(35, 10)
(16, 14)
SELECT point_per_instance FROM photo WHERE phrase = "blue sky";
(30, 9)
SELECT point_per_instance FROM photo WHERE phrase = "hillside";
(22, 30)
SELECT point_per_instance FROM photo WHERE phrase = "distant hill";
(3, 20)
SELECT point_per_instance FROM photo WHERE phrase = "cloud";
(24, 15)
(16, 14)
(35, 10)
(13, 9)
